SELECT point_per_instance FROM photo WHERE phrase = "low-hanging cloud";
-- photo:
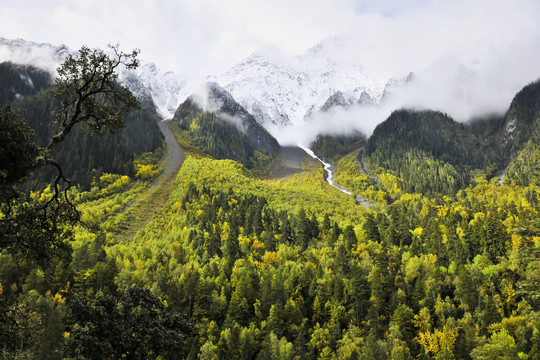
(210, 97)
(469, 59)
(463, 90)
(337, 121)
(47, 57)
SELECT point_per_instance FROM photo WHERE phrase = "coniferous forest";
(230, 259)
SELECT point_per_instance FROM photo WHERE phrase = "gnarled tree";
(89, 93)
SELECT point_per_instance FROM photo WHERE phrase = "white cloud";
(469, 57)
(206, 36)
(337, 121)
(193, 37)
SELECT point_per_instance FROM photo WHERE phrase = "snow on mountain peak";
(43, 56)
(276, 90)
(163, 91)
(284, 91)
(167, 90)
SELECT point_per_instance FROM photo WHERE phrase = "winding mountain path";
(152, 200)
(365, 168)
(175, 156)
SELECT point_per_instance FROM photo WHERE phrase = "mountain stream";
(328, 169)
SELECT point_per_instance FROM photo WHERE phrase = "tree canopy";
(89, 93)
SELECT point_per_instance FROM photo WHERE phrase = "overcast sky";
(200, 37)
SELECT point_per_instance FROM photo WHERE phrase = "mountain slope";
(429, 151)
(211, 121)
(158, 91)
(82, 156)
(275, 91)
(42, 56)
(164, 91)
(520, 136)
(521, 121)
(17, 81)
(330, 147)
(430, 131)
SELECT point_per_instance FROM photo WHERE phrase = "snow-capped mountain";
(166, 90)
(276, 91)
(335, 100)
(286, 91)
(158, 90)
(393, 85)
(43, 56)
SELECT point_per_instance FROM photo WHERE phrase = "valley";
(290, 161)
(202, 237)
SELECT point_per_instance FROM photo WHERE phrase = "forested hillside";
(521, 120)
(443, 264)
(332, 147)
(83, 157)
(223, 130)
(433, 154)
(523, 170)
(429, 151)
(256, 275)
(21, 80)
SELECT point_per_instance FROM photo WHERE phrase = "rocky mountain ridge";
(285, 91)
(278, 91)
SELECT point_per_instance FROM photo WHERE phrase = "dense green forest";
(21, 80)
(521, 120)
(429, 151)
(444, 265)
(248, 274)
(433, 154)
(83, 157)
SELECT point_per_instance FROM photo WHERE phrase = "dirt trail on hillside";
(175, 156)
(365, 168)
(142, 210)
